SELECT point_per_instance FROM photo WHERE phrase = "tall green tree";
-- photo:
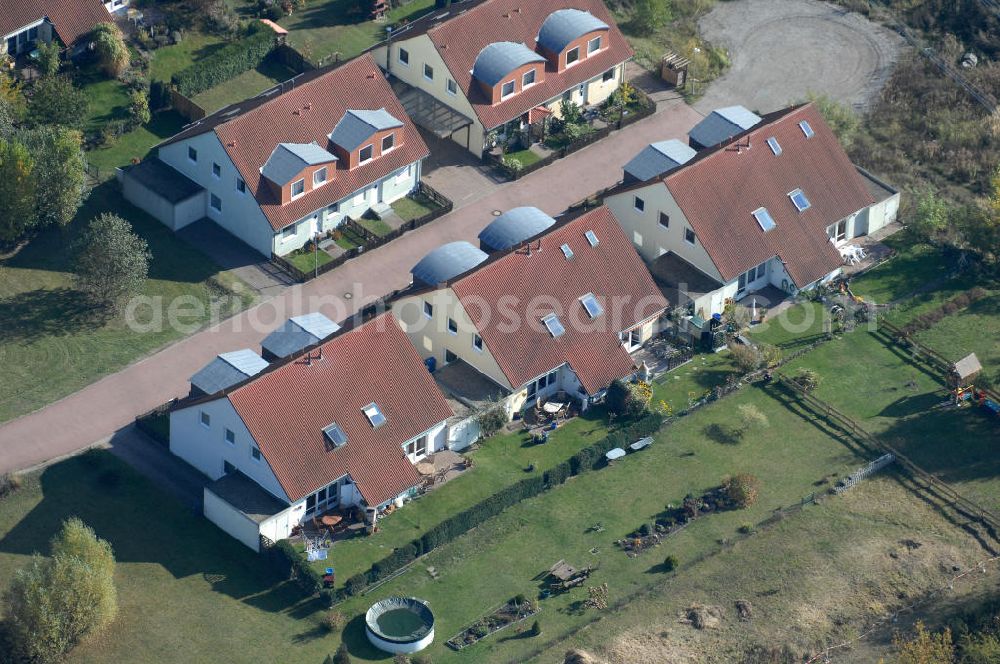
(59, 173)
(109, 42)
(52, 603)
(48, 58)
(56, 101)
(839, 117)
(930, 217)
(17, 191)
(648, 16)
(112, 262)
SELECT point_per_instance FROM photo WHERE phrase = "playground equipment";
(962, 376)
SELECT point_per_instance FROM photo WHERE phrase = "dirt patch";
(580, 657)
(744, 609)
(701, 616)
(780, 51)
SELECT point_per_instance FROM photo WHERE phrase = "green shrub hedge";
(227, 63)
(290, 564)
(589, 458)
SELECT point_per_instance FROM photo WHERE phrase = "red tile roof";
(72, 18)
(287, 408)
(720, 188)
(250, 138)
(460, 39)
(546, 281)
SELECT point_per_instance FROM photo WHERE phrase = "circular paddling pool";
(400, 625)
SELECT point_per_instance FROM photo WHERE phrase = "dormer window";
(594, 45)
(388, 142)
(335, 435)
(319, 177)
(298, 188)
(553, 325)
(507, 89)
(799, 200)
(572, 56)
(365, 154)
(374, 415)
(528, 78)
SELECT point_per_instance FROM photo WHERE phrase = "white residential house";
(320, 429)
(768, 206)
(279, 169)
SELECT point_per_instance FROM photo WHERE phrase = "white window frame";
(639, 205)
(659, 220)
(428, 310)
(399, 56)
(477, 343)
(427, 68)
(320, 183)
(553, 325)
(212, 200)
(575, 49)
(371, 148)
(503, 89)
(204, 419)
(240, 182)
(452, 327)
(373, 413)
(192, 151)
(451, 87)
(525, 83)
(595, 310)
(591, 43)
(609, 75)
(216, 171)
(592, 238)
(690, 237)
(389, 137)
(772, 142)
(834, 233)
(413, 449)
(805, 199)
(751, 276)
(763, 217)
(806, 128)
(227, 434)
(258, 457)
(290, 231)
(300, 181)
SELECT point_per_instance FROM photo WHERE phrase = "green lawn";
(308, 261)
(169, 60)
(798, 325)
(51, 341)
(524, 157)
(504, 556)
(500, 462)
(376, 226)
(911, 267)
(975, 329)
(692, 381)
(412, 207)
(248, 84)
(135, 144)
(325, 27)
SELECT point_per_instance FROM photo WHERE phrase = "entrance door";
(12, 45)
(633, 339)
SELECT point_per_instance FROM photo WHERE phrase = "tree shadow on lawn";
(35, 314)
(912, 405)
(327, 15)
(143, 525)
(724, 434)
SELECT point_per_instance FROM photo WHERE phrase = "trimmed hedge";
(290, 564)
(227, 63)
(587, 459)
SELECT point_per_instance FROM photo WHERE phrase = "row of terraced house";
(328, 414)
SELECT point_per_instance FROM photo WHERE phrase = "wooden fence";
(372, 240)
(187, 108)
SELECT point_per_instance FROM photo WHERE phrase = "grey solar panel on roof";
(447, 262)
(288, 159)
(297, 333)
(657, 159)
(514, 227)
(501, 58)
(722, 124)
(356, 127)
(565, 25)
(228, 369)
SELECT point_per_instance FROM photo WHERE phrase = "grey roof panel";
(501, 58)
(721, 124)
(316, 324)
(288, 159)
(447, 262)
(658, 158)
(298, 332)
(565, 25)
(228, 369)
(356, 127)
(515, 226)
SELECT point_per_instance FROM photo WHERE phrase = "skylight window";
(764, 218)
(374, 415)
(592, 306)
(335, 435)
(799, 200)
(553, 325)
(567, 252)
(592, 238)
(806, 128)
(774, 145)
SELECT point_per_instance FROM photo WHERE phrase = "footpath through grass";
(51, 341)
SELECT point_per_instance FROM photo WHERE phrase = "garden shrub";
(227, 63)
(536, 628)
(746, 358)
(742, 489)
(341, 656)
(109, 42)
(628, 399)
(333, 621)
(491, 420)
(670, 563)
(9, 483)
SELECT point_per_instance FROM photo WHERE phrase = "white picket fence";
(862, 473)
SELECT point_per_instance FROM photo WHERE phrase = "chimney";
(309, 106)
(320, 352)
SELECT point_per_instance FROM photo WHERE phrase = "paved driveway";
(783, 49)
(102, 408)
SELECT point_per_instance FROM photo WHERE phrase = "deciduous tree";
(59, 172)
(112, 261)
(56, 101)
(17, 191)
(111, 49)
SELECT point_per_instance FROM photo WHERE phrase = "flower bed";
(510, 613)
(675, 519)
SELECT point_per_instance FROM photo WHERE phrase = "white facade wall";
(240, 213)
(387, 190)
(463, 433)
(231, 520)
(205, 447)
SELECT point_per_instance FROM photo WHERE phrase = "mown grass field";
(51, 341)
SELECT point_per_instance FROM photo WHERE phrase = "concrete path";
(104, 407)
